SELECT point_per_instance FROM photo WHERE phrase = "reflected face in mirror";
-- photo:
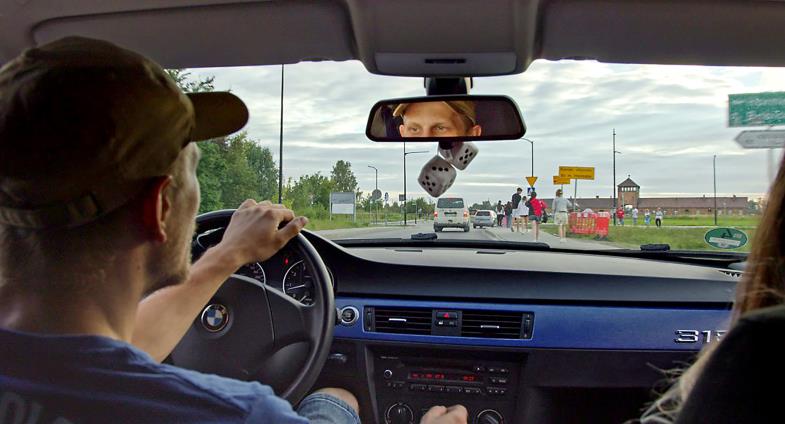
(438, 119)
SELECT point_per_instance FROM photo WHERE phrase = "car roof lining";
(412, 37)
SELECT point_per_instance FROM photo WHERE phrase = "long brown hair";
(762, 285)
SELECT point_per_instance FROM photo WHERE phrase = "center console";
(408, 383)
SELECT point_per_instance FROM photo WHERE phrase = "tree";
(183, 80)
(342, 177)
(232, 168)
(310, 190)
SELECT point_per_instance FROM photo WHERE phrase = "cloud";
(670, 121)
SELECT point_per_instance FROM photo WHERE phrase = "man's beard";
(173, 264)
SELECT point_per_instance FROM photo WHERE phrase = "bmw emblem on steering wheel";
(215, 317)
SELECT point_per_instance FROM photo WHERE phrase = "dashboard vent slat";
(492, 324)
(402, 321)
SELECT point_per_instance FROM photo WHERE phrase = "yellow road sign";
(531, 181)
(577, 172)
(557, 180)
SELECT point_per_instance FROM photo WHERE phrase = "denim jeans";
(321, 408)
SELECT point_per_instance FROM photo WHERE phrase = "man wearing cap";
(98, 195)
(453, 118)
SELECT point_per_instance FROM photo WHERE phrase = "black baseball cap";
(85, 124)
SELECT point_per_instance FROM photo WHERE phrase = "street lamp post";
(376, 188)
(405, 199)
(615, 152)
(532, 143)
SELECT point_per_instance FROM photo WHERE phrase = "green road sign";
(756, 109)
(726, 238)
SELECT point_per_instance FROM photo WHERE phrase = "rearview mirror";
(445, 118)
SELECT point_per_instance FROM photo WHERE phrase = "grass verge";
(678, 238)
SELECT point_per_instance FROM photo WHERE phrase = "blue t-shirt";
(57, 379)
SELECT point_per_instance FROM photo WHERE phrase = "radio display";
(441, 376)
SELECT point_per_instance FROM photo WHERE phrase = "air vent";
(402, 320)
(732, 273)
(493, 324)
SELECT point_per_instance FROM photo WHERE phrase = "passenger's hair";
(762, 285)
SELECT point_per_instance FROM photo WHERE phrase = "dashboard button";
(435, 388)
(472, 390)
(504, 371)
(478, 368)
(453, 389)
(498, 380)
(349, 315)
(418, 387)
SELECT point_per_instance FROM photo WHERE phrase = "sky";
(669, 120)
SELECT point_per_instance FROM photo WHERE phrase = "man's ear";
(400, 129)
(156, 208)
(475, 131)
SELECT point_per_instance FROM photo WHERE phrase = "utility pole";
(715, 189)
(405, 198)
(532, 143)
(280, 147)
(615, 152)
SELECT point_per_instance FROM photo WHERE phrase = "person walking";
(536, 207)
(647, 217)
(516, 201)
(620, 215)
(560, 207)
(658, 218)
(508, 215)
(499, 213)
(520, 216)
(634, 216)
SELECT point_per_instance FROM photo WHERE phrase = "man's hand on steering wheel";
(255, 234)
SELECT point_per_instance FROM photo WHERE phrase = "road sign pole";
(575, 196)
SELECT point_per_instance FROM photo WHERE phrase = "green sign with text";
(756, 109)
(726, 238)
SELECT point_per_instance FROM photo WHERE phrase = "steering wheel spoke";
(252, 331)
(292, 321)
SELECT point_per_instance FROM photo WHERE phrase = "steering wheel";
(255, 332)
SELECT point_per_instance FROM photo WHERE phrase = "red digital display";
(442, 376)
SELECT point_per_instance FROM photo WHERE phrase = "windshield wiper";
(710, 258)
(430, 242)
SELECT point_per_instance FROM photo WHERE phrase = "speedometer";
(253, 270)
(298, 283)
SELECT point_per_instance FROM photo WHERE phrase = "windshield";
(450, 203)
(642, 154)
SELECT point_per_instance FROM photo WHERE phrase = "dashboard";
(515, 335)
(285, 271)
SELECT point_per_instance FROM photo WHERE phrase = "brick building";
(628, 195)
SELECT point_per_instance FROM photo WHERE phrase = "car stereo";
(407, 386)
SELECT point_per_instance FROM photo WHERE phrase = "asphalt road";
(495, 233)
